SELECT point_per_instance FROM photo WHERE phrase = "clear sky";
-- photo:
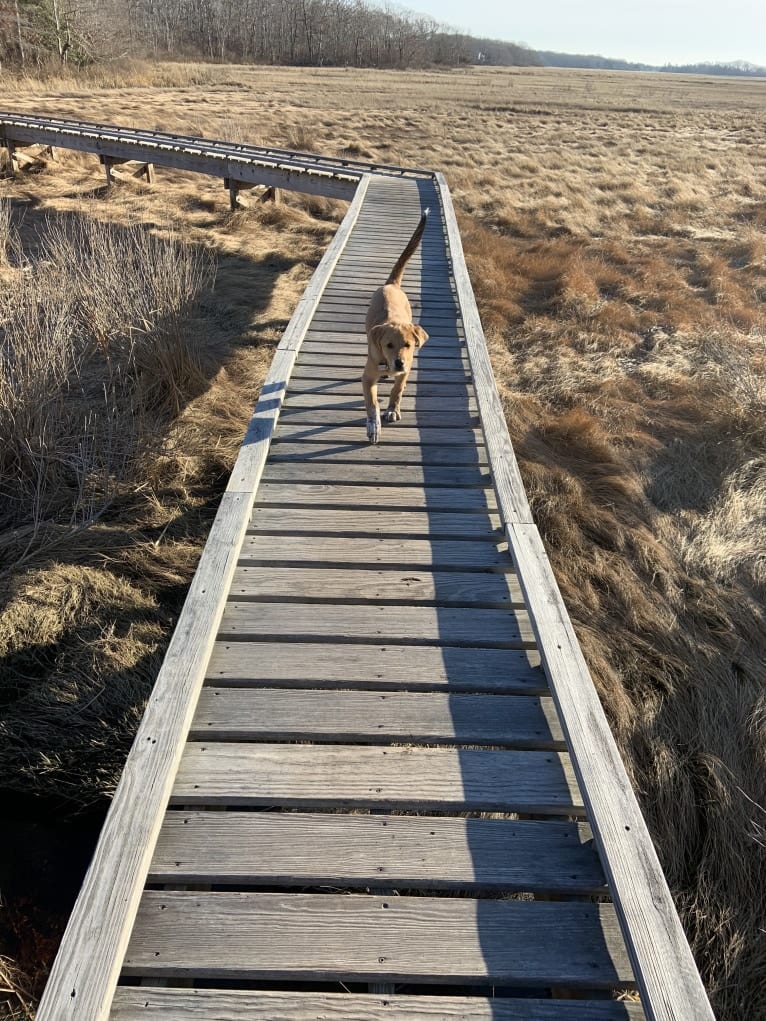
(646, 31)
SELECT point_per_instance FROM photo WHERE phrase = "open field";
(614, 227)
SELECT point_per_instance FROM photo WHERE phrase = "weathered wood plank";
(443, 328)
(665, 967)
(362, 452)
(406, 852)
(437, 292)
(476, 476)
(358, 938)
(348, 320)
(360, 776)
(411, 403)
(383, 667)
(398, 432)
(406, 554)
(354, 371)
(443, 343)
(407, 588)
(331, 354)
(357, 417)
(445, 308)
(339, 622)
(446, 392)
(272, 714)
(345, 347)
(369, 521)
(140, 1004)
(412, 498)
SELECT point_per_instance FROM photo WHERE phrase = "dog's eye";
(389, 346)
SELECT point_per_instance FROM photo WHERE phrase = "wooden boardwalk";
(374, 779)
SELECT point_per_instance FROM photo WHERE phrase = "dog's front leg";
(394, 412)
(370, 388)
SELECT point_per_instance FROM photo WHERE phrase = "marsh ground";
(614, 230)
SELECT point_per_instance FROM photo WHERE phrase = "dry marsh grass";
(614, 230)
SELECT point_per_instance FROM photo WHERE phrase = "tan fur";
(392, 339)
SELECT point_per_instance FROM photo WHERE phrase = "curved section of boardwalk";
(369, 778)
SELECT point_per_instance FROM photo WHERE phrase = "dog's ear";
(420, 336)
(378, 333)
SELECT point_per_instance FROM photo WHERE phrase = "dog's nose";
(399, 364)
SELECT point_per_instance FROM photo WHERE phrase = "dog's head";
(396, 344)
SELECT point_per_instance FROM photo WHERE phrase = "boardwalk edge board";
(84, 977)
(85, 972)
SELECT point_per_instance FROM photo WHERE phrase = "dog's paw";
(373, 428)
(393, 415)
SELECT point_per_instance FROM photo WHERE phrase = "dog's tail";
(395, 277)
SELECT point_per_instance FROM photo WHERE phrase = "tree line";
(738, 68)
(297, 32)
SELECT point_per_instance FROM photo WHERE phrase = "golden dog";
(392, 339)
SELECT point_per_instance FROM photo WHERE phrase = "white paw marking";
(373, 427)
(393, 415)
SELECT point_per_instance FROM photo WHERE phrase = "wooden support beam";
(138, 169)
(13, 161)
(19, 158)
(233, 188)
(270, 193)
